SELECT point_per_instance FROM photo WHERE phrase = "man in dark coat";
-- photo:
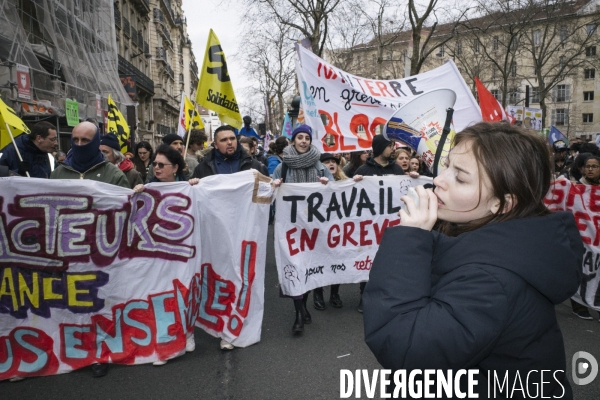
(381, 162)
(227, 157)
(34, 149)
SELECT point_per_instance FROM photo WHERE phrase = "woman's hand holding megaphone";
(423, 215)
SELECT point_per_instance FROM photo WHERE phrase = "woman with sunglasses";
(168, 167)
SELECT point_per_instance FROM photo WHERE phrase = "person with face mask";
(85, 160)
(382, 162)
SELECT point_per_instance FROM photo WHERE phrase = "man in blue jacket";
(35, 149)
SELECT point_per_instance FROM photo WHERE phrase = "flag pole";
(15, 144)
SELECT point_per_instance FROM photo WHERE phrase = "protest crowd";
(443, 233)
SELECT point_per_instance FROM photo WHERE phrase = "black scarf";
(85, 157)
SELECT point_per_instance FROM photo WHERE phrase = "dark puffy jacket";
(482, 300)
(39, 162)
(207, 165)
(373, 168)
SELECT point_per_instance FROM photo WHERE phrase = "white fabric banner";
(90, 272)
(584, 202)
(329, 234)
(349, 102)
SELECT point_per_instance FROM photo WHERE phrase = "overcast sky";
(224, 19)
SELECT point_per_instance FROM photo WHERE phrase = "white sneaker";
(190, 344)
(225, 345)
(159, 363)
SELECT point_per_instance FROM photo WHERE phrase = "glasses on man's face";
(159, 164)
(592, 166)
(53, 139)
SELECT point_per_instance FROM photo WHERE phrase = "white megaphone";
(420, 123)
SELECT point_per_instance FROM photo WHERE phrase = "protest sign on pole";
(72, 112)
(96, 273)
(355, 108)
(23, 82)
(329, 234)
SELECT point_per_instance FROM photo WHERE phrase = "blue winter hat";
(302, 129)
(110, 140)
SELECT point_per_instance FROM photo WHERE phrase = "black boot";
(298, 326)
(307, 317)
(334, 297)
(318, 299)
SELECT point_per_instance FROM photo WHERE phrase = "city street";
(281, 366)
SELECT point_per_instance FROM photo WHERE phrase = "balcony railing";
(143, 6)
(170, 71)
(117, 18)
(126, 27)
(127, 68)
(164, 130)
(146, 48)
(194, 68)
(140, 40)
(165, 33)
(167, 4)
(134, 35)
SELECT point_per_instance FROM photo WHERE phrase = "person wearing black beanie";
(379, 164)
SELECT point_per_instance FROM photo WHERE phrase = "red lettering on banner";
(594, 198)
(364, 241)
(581, 216)
(576, 190)
(332, 128)
(333, 239)
(291, 241)
(329, 73)
(556, 195)
(383, 88)
(27, 352)
(371, 89)
(362, 119)
(307, 241)
(348, 230)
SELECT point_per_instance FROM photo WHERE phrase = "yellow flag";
(189, 112)
(215, 91)
(17, 127)
(117, 125)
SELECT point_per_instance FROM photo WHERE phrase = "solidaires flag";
(117, 124)
(215, 91)
(191, 116)
(16, 125)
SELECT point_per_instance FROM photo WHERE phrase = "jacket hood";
(126, 165)
(546, 252)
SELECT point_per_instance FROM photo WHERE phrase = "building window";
(537, 37)
(560, 117)
(562, 61)
(496, 94)
(588, 96)
(563, 33)
(588, 118)
(440, 53)
(535, 95)
(513, 96)
(458, 48)
(589, 73)
(476, 46)
(561, 93)
(590, 51)
(358, 60)
(494, 72)
(389, 56)
(514, 44)
(590, 29)
(513, 69)
(373, 58)
(495, 43)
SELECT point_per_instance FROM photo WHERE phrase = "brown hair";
(496, 146)
(197, 136)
